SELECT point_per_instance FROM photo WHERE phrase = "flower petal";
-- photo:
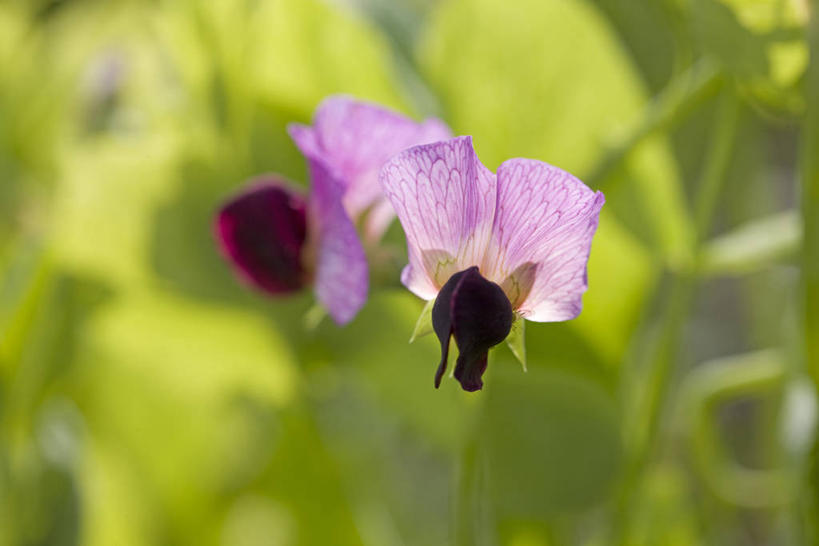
(445, 200)
(341, 275)
(477, 313)
(542, 234)
(353, 139)
(262, 232)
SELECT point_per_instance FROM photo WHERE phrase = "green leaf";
(516, 341)
(718, 30)
(423, 326)
(552, 441)
(753, 246)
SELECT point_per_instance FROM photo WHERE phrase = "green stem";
(651, 392)
(683, 284)
(473, 521)
(810, 245)
(465, 531)
(810, 202)
(679, 98)
(716, 166)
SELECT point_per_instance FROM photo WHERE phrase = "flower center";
(477, 313)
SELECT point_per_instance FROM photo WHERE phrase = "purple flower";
(345, 147)
(268, 210)
(489, 248)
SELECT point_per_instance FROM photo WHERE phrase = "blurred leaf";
(649, 31)
(721, 34)
(26, 276)
(290, 53)
(42, 313)
(408, 479)
(666, 510)
(752, 246)
(620, 279)
(398, 375)
(116, 503)
(102, 205)
(553, 443)
(760, 42)
(186, 393)
(317, 51)
(764, 15)
(183, 248)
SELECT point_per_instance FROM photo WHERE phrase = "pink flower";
(345, 147)
(489, 247)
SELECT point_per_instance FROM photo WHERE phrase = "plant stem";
(651, 394)
(473, 522)
(810, 248)
(810, 202)
(683, 284)
(680, 97)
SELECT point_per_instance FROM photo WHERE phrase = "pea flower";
(489, 249)
(280, 241)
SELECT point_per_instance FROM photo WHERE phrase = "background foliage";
(147, 398)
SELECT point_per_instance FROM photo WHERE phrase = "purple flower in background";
(489, 248)
(345, 147)
(348, 144)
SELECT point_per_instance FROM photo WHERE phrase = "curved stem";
(651, 394)
(680, 97)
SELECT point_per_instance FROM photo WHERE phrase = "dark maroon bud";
(262, 232)
(478, 314)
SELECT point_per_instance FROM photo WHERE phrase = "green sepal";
(516, 340)
(423, 326)
(313, 317)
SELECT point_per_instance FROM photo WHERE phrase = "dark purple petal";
(262, 232)
(478, 314)
(341, 275)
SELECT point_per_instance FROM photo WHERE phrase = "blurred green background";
(146, 397)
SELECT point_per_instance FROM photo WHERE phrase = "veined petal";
(353, 139)
(445, 200)
(542, 233)
(262, 232)
(341, 275)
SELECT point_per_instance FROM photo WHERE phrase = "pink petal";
(542, 234)
(341, 276)
(445, 200)
(353, 139)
